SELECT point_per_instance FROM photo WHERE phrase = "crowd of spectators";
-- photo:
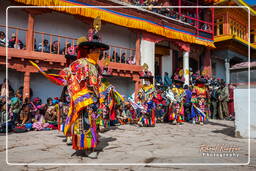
(186, 15)
(27, 114)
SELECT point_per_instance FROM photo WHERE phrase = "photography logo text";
(220, 150)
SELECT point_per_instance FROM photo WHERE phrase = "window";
(221, 29)
(252, 36)
(218, 27)
(237, 29)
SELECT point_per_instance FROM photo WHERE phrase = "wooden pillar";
(207, 63)
(226, 24)
(26, 86)
(137, 85)
(138, 41)
(179, 3)
(212, 29)
(197, 17)
(30, 32)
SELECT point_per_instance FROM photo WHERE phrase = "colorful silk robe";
(176, 108)
(83, 81)
(200, 110)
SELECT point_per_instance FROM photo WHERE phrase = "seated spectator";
(25, 114)
(205, 27)
(37, 102)
(115, 57)
(15, 109)
(44, 47)
(6, 88)
(65, 51)
(106, 55)
(130, 60)
(51, 114)
(123, 58)
(56, 47)
(167, 80)
(14, 43)
(39, 121)
(49, 102)
(2, 39)
(3, 109)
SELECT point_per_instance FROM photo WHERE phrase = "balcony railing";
(59, 45)
(191, 16)
(16, 36)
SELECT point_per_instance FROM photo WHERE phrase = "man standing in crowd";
(214, 98)
(223, 97)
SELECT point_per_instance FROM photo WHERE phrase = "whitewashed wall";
(43, 88)
(167, 64)
(15, 78)
(147, 50)
(67, 25)
(242, 115)
(220, 69)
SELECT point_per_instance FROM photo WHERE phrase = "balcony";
(202, 19)
(49, 51)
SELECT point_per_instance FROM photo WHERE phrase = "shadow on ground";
(228, 130)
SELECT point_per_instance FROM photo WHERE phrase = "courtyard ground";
(129, 144)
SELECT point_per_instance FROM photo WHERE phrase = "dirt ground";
(154, 148)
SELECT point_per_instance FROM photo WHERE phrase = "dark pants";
(214, 109)
(16, 117)
(187, 111)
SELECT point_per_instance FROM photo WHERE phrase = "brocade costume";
(145, 96)
(176, 109)
(200, 109)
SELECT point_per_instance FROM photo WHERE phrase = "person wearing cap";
(83, 80)
(14, 43)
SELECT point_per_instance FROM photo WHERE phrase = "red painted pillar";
(26, 85)
(30, 32)
(207, 63)
(197, 17)
(212, 27)
(138, 41)
(179, 3)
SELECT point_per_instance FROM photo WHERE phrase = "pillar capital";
(182, 45)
